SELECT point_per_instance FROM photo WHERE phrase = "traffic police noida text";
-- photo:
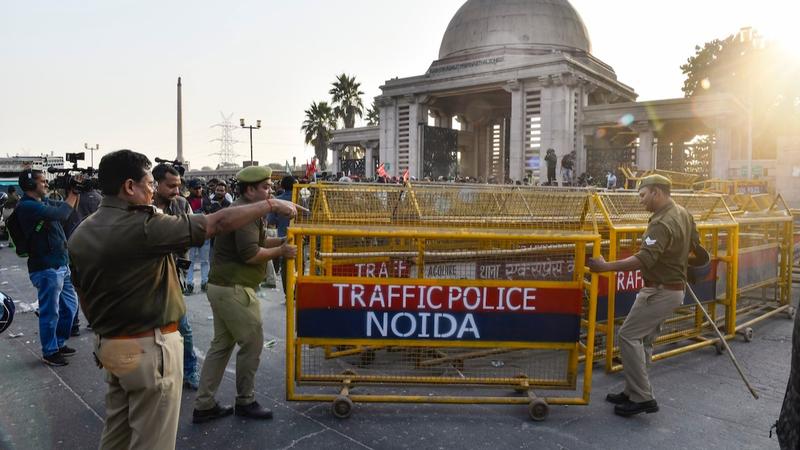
(428, 298)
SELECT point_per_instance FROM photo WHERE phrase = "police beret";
(253, 174)
(652, 180)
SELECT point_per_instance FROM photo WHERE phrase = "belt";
(166, 329)
(667, 286)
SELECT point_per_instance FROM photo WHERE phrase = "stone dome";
(482, 25)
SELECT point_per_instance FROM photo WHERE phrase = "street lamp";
(250, 127)
(91, 149)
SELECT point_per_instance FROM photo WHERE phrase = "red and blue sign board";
(448, 311)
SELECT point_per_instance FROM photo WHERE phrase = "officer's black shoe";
(76, 331)
(56, 359)
(630, 408)
(204, 287)
(204, 415)
(253, 411)
(189, 290)
(67, 351)
(617, 399)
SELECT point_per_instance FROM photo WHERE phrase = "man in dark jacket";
(48, 263)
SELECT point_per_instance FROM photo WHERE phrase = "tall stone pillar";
(516, 163)
(336, 153)
(557, 119)
(418, 118)
(369, 163)
(388, 129)
(645, 154)
(722, 150)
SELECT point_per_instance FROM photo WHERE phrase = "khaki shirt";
(231, 250)
(665, 245)
(123, 267)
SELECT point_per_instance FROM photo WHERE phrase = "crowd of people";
(130, 255)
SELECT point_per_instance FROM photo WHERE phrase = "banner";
(461, 311)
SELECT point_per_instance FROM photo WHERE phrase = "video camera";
(67, 179)
(176, 164)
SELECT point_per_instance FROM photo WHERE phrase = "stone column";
(369, 164)
(722, 150)
(516, 163)
(417, 118)
(557, 120)
(336, 153)
(388, 129)
(645, 154)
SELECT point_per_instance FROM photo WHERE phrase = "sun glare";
(782, 29)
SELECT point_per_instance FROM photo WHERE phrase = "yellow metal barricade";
(766, 259)
(623, 222)
(441, 294)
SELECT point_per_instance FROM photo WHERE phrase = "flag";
(288, 168)
(311, 168)
(405, 176)
(381, 171)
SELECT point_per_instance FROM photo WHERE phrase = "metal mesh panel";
(450, 205)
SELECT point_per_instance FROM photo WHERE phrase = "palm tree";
(373, 115)
(318, 127)
(347, 99)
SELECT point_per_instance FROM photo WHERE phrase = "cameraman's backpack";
(17, 234)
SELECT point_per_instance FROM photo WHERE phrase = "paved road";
(703, 402)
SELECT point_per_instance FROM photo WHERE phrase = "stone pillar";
(722, 150)
(336, 153)
(516, 163)
(369, 163)
(557, 120)
(645, 154)
(417, 118)
(388, 129)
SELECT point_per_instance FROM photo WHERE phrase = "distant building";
(11, 166)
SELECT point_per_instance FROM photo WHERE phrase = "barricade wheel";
(522, 388)
(748, 334)
(342, 407)
(538, 409)
(719, 347)
(791, 311)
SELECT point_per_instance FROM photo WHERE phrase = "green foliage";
(373, 115)
(318, 128)
(347, 99)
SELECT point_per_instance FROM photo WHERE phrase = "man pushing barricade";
(127, 281)
(663, 260)
(238, 264)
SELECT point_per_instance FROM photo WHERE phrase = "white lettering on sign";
(430, 298)
(392, 269)
(629, 281)
(405, 325)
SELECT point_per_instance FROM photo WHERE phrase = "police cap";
(653, 180)
(254, 174)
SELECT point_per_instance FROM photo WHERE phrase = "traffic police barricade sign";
(622, 223)
(766, 257)
(441, 294)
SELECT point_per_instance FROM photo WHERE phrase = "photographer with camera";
(128, 283)
(167, 198)
(48, 263)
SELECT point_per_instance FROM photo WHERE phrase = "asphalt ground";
(703, 402)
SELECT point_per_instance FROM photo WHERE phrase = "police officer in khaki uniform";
(663, 260)
(238, 264)
(126, 279)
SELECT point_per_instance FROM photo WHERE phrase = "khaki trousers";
(145, 379)
(636, 336)
(237, 320)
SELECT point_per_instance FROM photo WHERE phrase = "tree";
(347, 99)
(761, 74)
(373, 115)
(318, 127)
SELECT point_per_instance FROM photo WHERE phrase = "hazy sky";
(104, 72)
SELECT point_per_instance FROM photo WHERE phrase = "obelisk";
(180, 124)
